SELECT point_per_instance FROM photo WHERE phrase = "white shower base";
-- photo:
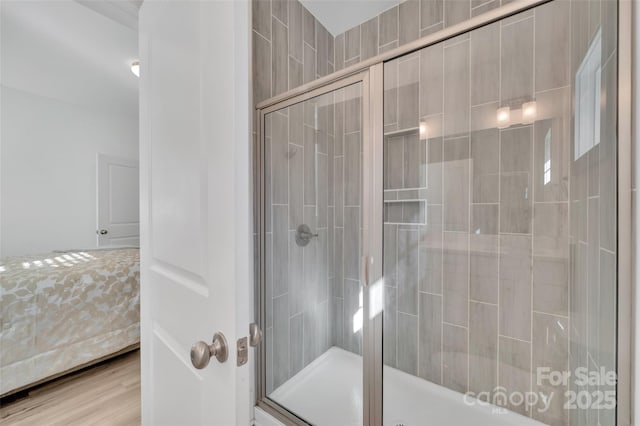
(329, 392)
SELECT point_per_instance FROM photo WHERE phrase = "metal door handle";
(255, 334)
(103, 232)
(201, 352)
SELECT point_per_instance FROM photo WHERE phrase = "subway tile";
(311, 335)
(261, 61)
(551, 351)
(338, 259)
(516, 149)
(280, 250)
(336, 320)
(485, 156)
(431, 270)
(430, 338)
(456, 184)
(551, 285)
(352, 143)
(434, 170)
(323, 260)
(261, 14)
(484, 219)
(431, 13)
(296, 344)
(408, 343)
(390, 326)
(552, 45)
(393, 162)
(311, 268)
(388, 26)
(338, 122)
(408, 275)
(409, 21)
(514, 369)
(309, 165)
(483, 347)
(390, 107)
(455, 357)
(280, 340)
(431, 80)
(308, 64)
(296, 201)
(295, 30)
(295, 73)
(322, 190)
(352, 43)
(279, 58)
(297, 283)
(551, 230)
(369, 39)
(414, 162)
(308, 28)
(485, 64)
(515, 286)
(517, 62)
(408, 92)
(352, 242)
(353, 108)
(456, 88)
(280, 159)
(456, 278)
(296, 127)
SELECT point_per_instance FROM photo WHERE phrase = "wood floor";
(106, 394)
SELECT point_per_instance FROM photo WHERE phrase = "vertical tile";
(408, 343)
(352, 242)
(280, 340)
(485, 64)
(551, 230)
(414, 162)
(280, 9)
(339, 52)
(295, 73)
(261, 61)
(431, 270)
(456, 11)
(308, 28)
(369, 38)
(390, 256)
(483, 347)
(295, 30)
(456, 278)
(269, 342)
(607, 164)
(552, 44)
(322, 51)
(295, 342)
(514, 369)
(311, 335)
(280, 250)
(296, 287)
(269, 278)
(434, 170)
(430, 338)
(296, 201)
(352, 143)
(515, 286)
(516, 149)
(409, 21)
(390, 108)
(261, 13)
(388, 26)
(337, 322)
(515, 186)
(310, 152)
(339, 262)
(322, 190)
(339, 190)
(408, 271)
(551, 285)
(390, 326)
(352, 43)
(393, 162)
(456, 184)
(550, 351)
(455, 357)
(353, 109)
(431, 13)
(352, 308)
(308, 64)
(485, 154)
(517, 61)
(280, 159)
(431, 80)
(607, 311)
(408, 92)
(456, 88)
(338, 122)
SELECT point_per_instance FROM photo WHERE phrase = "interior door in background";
(118, 202)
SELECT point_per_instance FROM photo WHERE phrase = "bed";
(65, 310)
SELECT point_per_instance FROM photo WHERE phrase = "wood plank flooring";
(105, 394)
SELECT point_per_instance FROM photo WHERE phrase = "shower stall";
(438, 235)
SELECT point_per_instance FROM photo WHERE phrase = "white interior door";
(118, 202)
(195, 210)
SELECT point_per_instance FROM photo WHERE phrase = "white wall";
(48, 170)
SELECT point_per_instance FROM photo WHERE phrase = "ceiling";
(339, 16)
(66, 51)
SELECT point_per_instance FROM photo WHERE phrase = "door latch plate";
(243, 351)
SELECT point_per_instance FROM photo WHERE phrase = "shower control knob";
(201, 352)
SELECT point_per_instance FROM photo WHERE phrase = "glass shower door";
(313, 301)
(500, 223)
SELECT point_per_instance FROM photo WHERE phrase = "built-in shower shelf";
(402, 132)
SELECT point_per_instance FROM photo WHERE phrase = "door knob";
(201, 352)
(103, 232)
(255, 334)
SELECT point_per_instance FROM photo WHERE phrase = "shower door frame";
(370, 73)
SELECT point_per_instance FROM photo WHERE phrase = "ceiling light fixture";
(135, 68)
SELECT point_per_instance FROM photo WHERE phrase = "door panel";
(194, 209)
